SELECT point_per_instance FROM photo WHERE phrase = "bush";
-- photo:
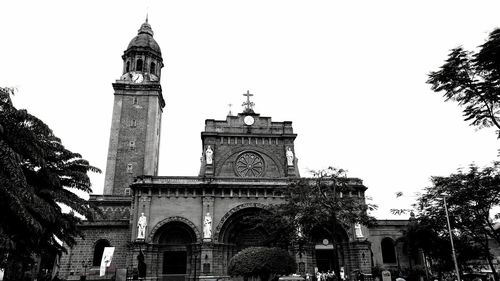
(262, 262)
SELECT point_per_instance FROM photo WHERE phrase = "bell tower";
(134, 140)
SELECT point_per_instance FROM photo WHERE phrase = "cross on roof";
(248, 104)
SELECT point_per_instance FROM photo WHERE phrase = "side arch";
(218, 229)
(388, 249)
(98, 247)
(193, 227)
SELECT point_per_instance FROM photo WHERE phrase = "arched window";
(388, 251)
(127, 68)
(138, 65)
(152, 68)
(98, 251)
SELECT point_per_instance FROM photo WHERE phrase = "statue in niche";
(141, 226)
(289, 156)
(209, 154)
(357, 230)
(207, 226)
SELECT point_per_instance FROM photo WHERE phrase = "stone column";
(206, 253)
(359, 257)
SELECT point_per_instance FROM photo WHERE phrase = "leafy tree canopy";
(471, 195)
(329, 202)
(329, 198)
(36, 175)
(472, 79)
(262, 262)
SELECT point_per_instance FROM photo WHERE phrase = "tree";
(262, 262)
(472, 79)
(37, 174)
(431, 236)
(471, 196)
(329, 201)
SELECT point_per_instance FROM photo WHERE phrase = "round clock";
(326, 242)
(248, 120)
(137, 77)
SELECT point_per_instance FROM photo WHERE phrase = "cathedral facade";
(188, 228)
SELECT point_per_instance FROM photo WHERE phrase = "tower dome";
(144, 40)
(143, 55)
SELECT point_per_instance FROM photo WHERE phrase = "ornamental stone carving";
(249, 164)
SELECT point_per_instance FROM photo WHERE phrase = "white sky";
(349, 74)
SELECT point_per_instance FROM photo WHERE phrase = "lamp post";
(451, 240)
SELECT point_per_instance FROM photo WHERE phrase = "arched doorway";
(330, 251)
(237, 234)
(176, 244)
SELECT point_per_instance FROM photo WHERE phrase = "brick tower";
(138, 104)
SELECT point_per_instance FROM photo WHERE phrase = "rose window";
(249, 164)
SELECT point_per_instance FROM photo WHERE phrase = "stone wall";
(388, 229)
(118, 235)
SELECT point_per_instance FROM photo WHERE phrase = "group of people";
(326, 276)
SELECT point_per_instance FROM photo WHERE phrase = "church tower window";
(99, 250)
(127, 68)
(134, 100)
(133, 123)
(129, 168)
(138, 65)
(152, 68)
(131, 145)
(127, 191)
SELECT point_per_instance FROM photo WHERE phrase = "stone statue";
(209, 153)
(207, 226)
(357, 230)
(141, 226)
(289, 156)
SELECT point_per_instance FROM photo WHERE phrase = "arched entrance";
(329, 249)
(237, 234)
(175, 246)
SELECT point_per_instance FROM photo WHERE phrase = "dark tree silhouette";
(36, 175)
(472, 79)
(471, 196)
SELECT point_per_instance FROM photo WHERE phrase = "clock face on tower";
(248, 120)
(137, 77)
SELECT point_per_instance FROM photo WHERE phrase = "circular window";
(249, 165)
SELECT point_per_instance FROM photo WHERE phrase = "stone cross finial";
(248, 104)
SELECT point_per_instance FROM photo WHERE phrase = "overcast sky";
(349, 74)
